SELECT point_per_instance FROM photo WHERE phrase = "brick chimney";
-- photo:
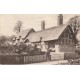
(42, 25)
(60, 19)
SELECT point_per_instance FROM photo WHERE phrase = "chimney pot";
(60, 19)
(42, 25)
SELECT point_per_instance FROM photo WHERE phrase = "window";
(64, 40)
(71, 36)
(68, 41)
(71, 41)
(64, 35)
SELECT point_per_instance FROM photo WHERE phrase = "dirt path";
(51, 62)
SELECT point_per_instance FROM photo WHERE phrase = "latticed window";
(64, 35)
(64, 40)
(61, 41)
(70, 41)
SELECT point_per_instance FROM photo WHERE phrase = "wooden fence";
(21, 58)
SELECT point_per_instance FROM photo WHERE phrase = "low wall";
(70, 55)
(57, 56)
(63, 56)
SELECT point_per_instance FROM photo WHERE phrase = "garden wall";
(70, 55)
(63, 56)
(57, 56)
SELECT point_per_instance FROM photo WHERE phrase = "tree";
(3, 40)
(75, 24)
(18, 27)
(11, 38)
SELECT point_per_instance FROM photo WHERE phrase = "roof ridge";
(50, 28)
(27, 29)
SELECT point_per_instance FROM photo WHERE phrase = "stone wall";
(63, 56)
(69, 51)
(57, 56)
(70, 55)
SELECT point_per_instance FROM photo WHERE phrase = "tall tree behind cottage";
(18, 27)
(74, 22)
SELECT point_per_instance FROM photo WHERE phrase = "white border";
(37, 72)
(39, 6)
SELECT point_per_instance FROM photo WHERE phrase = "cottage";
(60, 39)
(59, 35)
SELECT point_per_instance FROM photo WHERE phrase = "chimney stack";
(60, 19)
(42, 25)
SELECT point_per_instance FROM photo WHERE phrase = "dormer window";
(19, 37)
(26, 41)
(14, 39)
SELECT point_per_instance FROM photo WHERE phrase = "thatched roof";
(23, 34)
(47, 34)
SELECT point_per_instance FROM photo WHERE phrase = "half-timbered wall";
(66, 41)
(66, 38)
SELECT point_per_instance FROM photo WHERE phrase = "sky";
(8, 21)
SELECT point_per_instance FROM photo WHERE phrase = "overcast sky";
(8, 21)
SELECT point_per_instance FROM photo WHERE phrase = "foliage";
(6, 49)
(18, 27)
(11, 38)
(75, 24)
(20, 49)
(3, 40)
(30, 50)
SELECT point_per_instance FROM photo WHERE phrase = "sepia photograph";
(40, 39)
